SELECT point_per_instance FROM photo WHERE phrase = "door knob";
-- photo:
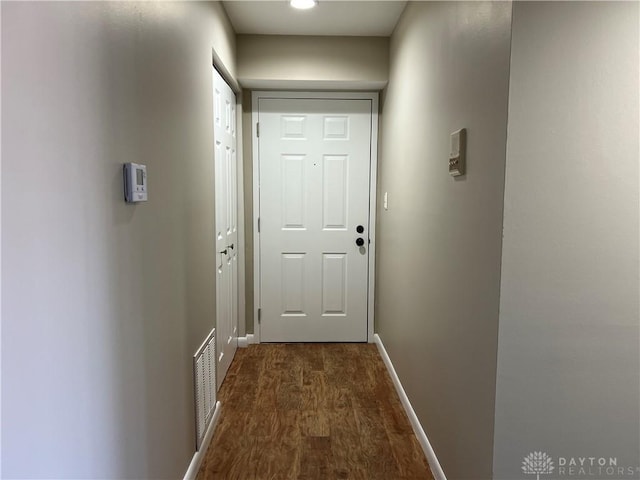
(359, 229)
(359, 241)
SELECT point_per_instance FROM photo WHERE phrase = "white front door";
(224, 134)
(314, 174)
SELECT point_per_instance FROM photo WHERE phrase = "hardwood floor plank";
(315, 423)
(276, 453)
(315, 391)
(346, 444)
(312, 412)
(339, 397)
(395, 421)
(273, 459)
(317, 459)
(313, 357)
(408, 454)
(267, 387)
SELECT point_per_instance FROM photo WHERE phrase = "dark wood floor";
(311, 411)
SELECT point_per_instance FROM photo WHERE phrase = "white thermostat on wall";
(457, 153)
(135, 182)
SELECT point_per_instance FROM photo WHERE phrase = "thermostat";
(457, 153)
(135, 182)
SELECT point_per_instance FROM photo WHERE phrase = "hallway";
(311, 411)
(506, 300)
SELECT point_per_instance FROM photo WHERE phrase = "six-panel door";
(314, 157)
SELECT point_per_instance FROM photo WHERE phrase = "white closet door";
(226, 222)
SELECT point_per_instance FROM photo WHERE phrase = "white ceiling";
(329, 17)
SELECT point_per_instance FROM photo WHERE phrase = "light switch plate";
(457, 153)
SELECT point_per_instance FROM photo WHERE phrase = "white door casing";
(316, 178)
(226, 224)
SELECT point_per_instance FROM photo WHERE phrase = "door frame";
(373, 181)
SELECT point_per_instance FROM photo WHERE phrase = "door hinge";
(258, 224)
(258, 129)
(259, 315)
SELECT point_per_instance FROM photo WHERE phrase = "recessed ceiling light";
(303, 4)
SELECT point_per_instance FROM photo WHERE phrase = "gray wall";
(568, 360)
(105, 303)
(439, 244)
(311, 62)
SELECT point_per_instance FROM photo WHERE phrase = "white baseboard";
(436, 469)
(244, 342)
(196, 461)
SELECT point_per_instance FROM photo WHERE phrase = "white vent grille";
(204, 376)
